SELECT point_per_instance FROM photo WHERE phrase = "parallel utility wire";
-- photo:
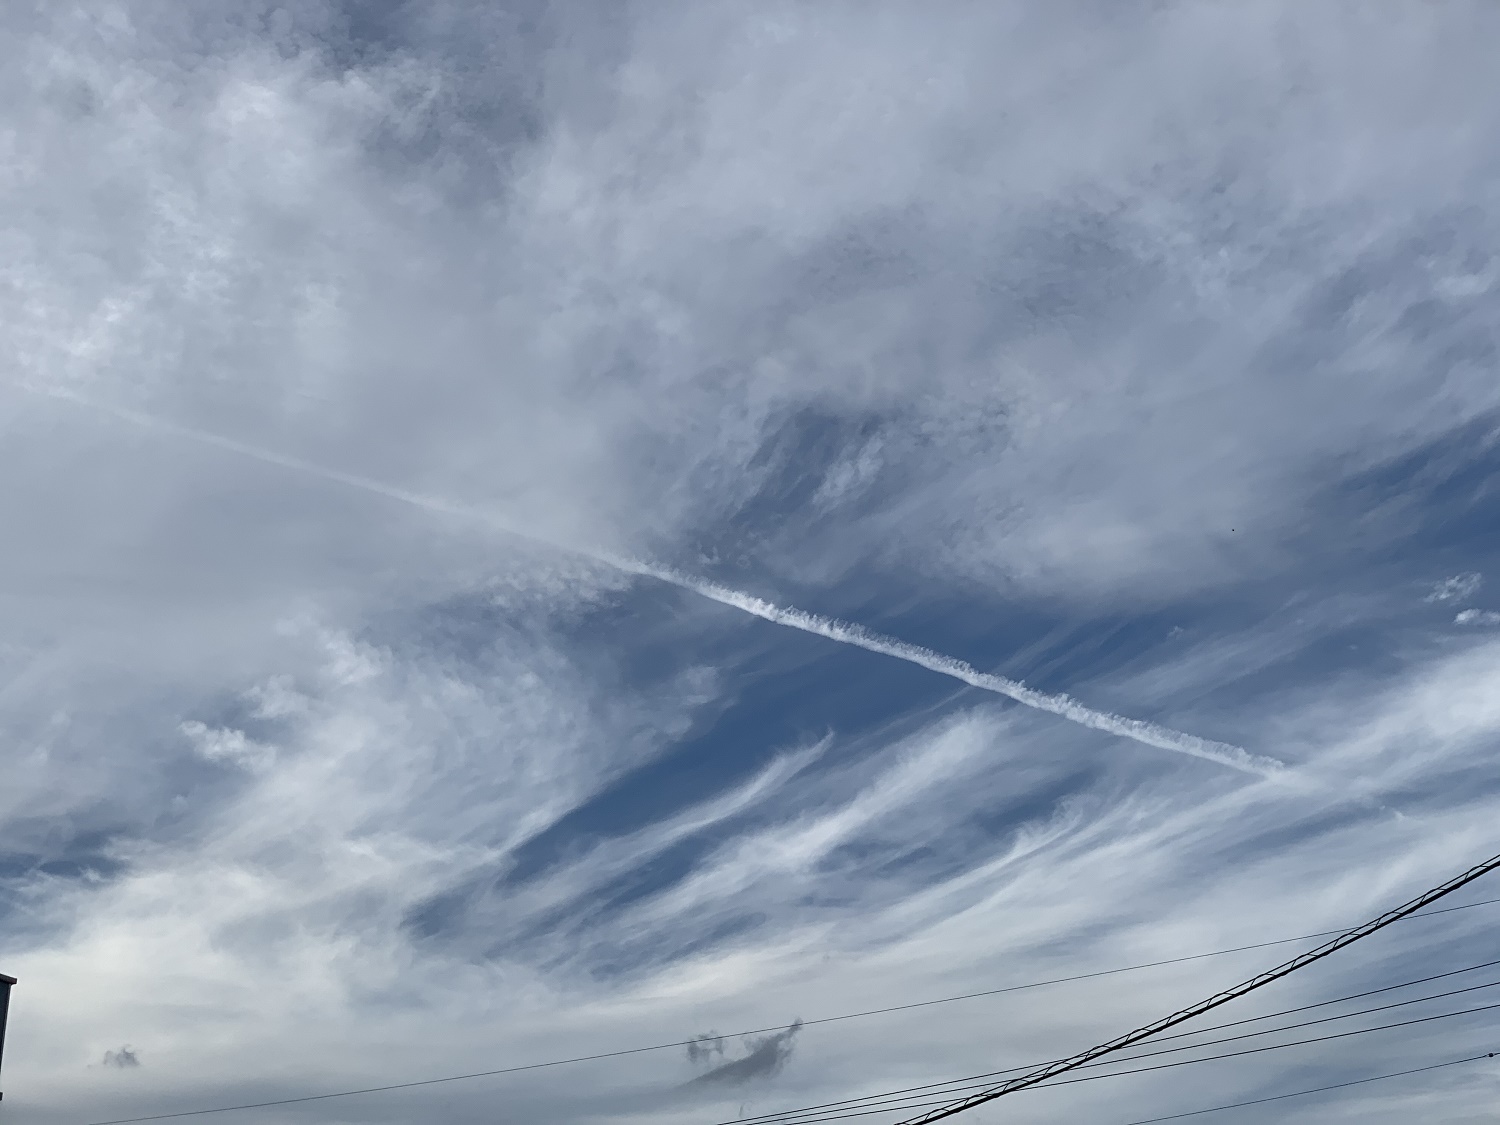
(918, 1101)
(846, 1115)
(625, 1052)
(1260, 980)
(1314, 1090)
(939, 1093)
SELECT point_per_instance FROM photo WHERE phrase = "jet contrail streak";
(312, 468)
(1149, 734)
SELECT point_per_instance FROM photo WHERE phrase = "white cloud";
(1477, 617)
(1459, 587)
(219, 744)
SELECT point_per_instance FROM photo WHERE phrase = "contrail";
(1151, 734)
(1147, 733)
(433, 504)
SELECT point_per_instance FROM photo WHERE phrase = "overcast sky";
(533, 530)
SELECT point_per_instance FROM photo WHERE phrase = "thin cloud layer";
(1136, 369)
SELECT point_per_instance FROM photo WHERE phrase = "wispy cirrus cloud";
(1137, 366)
(1476, 617)
(1460, 587)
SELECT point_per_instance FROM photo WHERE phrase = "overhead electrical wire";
(868, 1111)
(1260, 980)
(1044, 1073)
(625, 1052)
(1314, 1090)
(1342, 1000)
(945, 1090)
(959, 1085)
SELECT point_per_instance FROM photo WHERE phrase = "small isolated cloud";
(232, 747)
(703, 1048)
(1457, 588)
(1477, 617)
(123, 1059)
(849, 477)
(764, 1056)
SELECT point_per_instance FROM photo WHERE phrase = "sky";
(538, 530)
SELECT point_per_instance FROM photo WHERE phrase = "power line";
(912, 1103)
(956, 1086)
(890, 1099)
(867, 1111)
(1314, 1090)
(625, 1052)
(1309, 1023)
(1275, 1046)
(951, 1087)
(1260, 980)
(1346, 999)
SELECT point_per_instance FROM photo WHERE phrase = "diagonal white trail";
(428, 503)
(1151, 734)
(1147, 733)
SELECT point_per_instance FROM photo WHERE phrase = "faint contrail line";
(1151, 734)
(1064, 706)
(353, 480)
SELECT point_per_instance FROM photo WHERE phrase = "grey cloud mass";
(763, 1056)
(123, 1059)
